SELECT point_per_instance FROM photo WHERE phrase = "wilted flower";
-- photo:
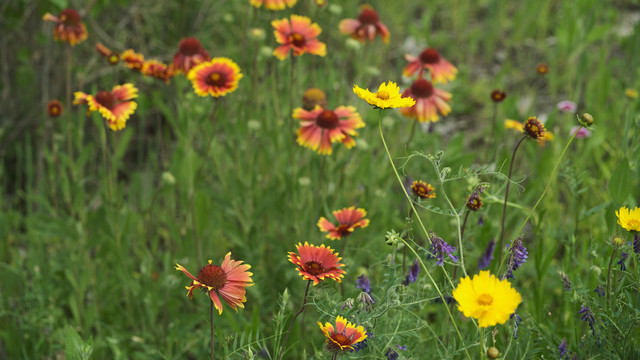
(629, 219)
(313, 97)
(216, 77)
(486, 298)
(228, 280)
(366, 300)
(566, 283)
(412, 277)
(518, 254)
(423, 190)
(498, 95)
(581, 132)
(487, 255)
(366, 26)
(133, 60)
(440, 69)
(363, 283)
(190, 53)
(320, 128)
(343, 336)
(567, 106)
(158, 70)
(440, 248)
(69, 26)
(298, 34)
(112, 56)
(429, 101)
(316, 263)
(387, 96)
(348, 220)
(54, 108)
(274, 4)
(114, 105)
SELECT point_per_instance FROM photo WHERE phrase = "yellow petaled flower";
(343, 336)
(486, 298)
(534, 128)
(387, 96)
(631, 94)
(423, 190)
(69, 26)
(114, 105)
(512, 124)
(132, 59)
(274, 4)
(629, 219)
(217, 77)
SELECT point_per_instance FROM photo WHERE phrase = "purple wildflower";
(392, 354)
(563, 348)
(599, 290)
(623, 257)
(440, 248)
(363, 283)
(480, 221)
(366, 300)
(413, 273)
(636, 243)
(588, 317)
(565, 281)
(401, 347)
(517, 257)
(567, 106)
(516, 321)
(487, 255)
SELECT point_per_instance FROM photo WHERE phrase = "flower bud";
(493, 352)
(586, 119)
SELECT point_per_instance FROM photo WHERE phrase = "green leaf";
(620, 183)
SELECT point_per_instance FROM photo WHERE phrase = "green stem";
(211, 322)
(286, 337)
(613, 254)
(435, 285)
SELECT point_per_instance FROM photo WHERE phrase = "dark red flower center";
(327, 119)
(497, 95)
(216, 79)
(54, 108)
(336, 341)
(534, 128)
(314, 268)
(106, 99)
(369, 16)
(343, 229)
(212, 276)
(70, 17)
(430, 56)
(190, 46)
(297, 39)
(422, 88)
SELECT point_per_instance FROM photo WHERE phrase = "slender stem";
(105, 158)
(493, 128)
(426, 269)
(464, 224)
(211, 322)
(291, 66)
(613, 254)
(69, 121)
(286, 337)
(506, 196)
(553, 173)
(482, 343)
(413, 130)
(406, 236)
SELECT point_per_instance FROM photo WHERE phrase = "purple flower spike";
(440, 248)
(623, 257)
(413, 273)
(636, 243)
(363, 283)
(562, 348)
(518, 256)
(588, 317)
(487, 256)
(599, 290)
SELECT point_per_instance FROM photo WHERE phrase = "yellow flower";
(487, 299)
(512, 124)
(629, 219)
(387, 96)
(631, 94)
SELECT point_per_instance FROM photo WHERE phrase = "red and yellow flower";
(343, 336)
(298, 34)
(190, 53)
(158, 70)
(133, 60)
(54, 108)
(227, 281)
(69, 26)
(319, 128)
(366, 26)
(429, 100)
(114, 105)
(112, 56)
(440, 69)
(317, 263)
(423, 190)
(274, 4)
(216, 77)
(536, 129)
(348, 220)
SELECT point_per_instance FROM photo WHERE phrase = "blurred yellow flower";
(387, 96)
(629, 219)
(631, 94)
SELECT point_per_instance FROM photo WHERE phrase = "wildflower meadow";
(320, 179)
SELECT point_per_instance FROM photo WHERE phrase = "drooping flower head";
(567, 106)
(412, 276)
(313, 97)
(133, 60)
(69, 26)
(423, 190)
(348, 220)
(54, 108)
(387, 96)
(486, 298)
(580, 132)
(487, 255)
(440, 248)
(366, 26)
(429, 101)
(320, 128)
(440, 69)
(298, 34)
(216, 77)
(190, 53)
(227, 281)
(158, 70)
(518, 255)
(114, 106)
(498, 95)
(587, 316)
(629, 219)
(316, 263)
(343, 336)
(363, 283)
(566, 283)
(274, 4)
(112, 56)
